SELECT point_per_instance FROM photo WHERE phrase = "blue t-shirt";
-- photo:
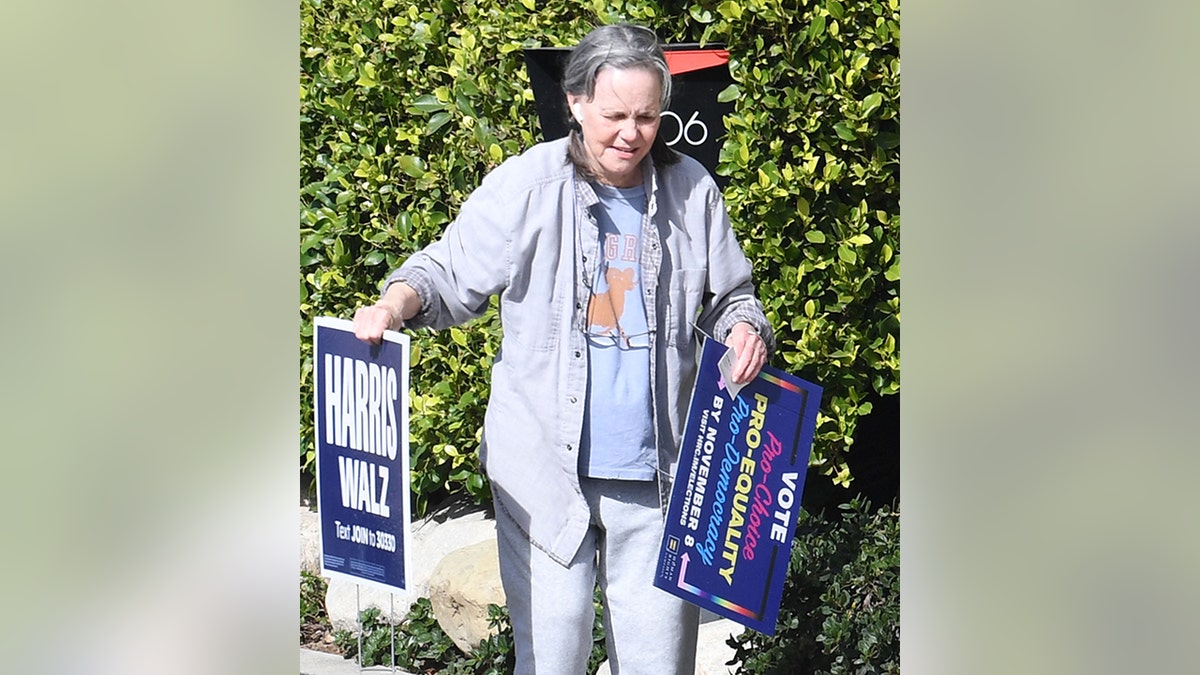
(618, 430)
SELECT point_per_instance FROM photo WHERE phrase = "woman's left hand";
(750, 349)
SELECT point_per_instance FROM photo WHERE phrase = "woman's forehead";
(629, 86)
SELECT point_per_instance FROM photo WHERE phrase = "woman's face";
(619, 123)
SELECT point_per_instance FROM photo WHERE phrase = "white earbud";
(578, 115)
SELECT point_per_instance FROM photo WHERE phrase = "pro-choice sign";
(361, 408)
(736, 496)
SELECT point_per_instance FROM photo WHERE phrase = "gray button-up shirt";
(528, 235)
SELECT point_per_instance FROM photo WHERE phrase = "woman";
(609, 252)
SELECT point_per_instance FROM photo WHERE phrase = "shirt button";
(578, 354)
(569, 448)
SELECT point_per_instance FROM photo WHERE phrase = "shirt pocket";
(684, 295)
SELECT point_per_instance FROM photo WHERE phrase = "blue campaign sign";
(361, 410)
(736, 495)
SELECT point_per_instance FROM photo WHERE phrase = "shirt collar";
(587, 195)
(584, 193)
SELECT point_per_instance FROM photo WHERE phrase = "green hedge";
(840, 613)
(405, 107)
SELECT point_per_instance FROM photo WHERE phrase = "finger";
(742, 368)
(754, 367)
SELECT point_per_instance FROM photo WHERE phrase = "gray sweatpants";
(649, 631)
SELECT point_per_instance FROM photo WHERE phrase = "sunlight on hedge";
(404, 110)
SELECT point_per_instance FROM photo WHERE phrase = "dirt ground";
(318, 637)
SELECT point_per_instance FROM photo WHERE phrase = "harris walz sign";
(360, 404)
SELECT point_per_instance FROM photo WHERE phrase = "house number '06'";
(687, 132)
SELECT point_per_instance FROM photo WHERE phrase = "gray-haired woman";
(608, 251)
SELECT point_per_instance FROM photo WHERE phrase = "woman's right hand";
(370, 322)
(398, 304)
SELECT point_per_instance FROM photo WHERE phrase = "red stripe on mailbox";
(680, 62)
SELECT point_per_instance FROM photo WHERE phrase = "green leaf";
(859, 240)
(831, 171)
(404, 223)
(817, 27)
(810, 308)
(847, 254)
(373, 258)
(464, 105)
(413, 166)
(311, 241)
(466, 87)
(730, 93)
(700, 14)
(835, 9)
(366, 76)
(428, 103)
(437, 121)
(893, 272)
(870, 103)
(844, 132)
(459, 337)
(815, 236)
(475, 481)
(730, 10)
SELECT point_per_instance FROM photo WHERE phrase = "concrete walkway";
(319, 663)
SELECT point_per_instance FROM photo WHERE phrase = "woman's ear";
(576, 108)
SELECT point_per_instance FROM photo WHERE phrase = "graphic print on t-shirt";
(606, 309)
(617, 289)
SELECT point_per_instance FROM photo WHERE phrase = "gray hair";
(620, 46)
